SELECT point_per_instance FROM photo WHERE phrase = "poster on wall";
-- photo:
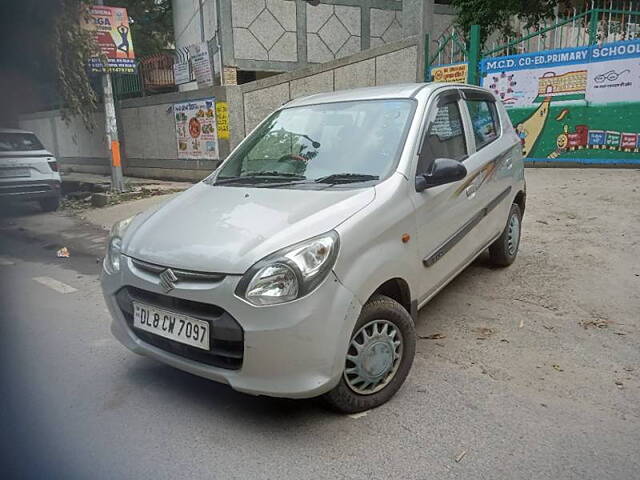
(181, 73)
(577, 105)
(201, 64)
(110, 27)
(196, 133)
(222, 120)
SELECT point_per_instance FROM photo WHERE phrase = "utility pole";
(201, 20)
(117, 181)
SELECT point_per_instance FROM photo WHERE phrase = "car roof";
(13, 130)
(403, 90)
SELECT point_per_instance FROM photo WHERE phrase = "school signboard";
(578, 105)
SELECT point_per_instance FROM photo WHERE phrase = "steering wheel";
(292, 156)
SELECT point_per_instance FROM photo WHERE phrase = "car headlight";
(290, 273)
(114, 246)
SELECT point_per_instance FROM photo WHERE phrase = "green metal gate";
(573, 29)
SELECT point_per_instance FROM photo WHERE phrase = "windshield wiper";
(275, 173)
(346, 178)
(259, 177)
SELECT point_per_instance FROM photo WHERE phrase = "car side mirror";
(443, 171)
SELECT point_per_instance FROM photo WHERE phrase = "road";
(533, 371)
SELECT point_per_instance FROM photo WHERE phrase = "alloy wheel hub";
(373, 357)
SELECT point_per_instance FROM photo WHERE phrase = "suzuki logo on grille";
(167, 280)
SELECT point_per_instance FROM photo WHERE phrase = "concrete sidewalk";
(75, 181)
(159, 191)
(107, 216)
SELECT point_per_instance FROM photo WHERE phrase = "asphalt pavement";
(478, 404)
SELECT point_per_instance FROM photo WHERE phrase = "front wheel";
(504, 250)
(378, 359)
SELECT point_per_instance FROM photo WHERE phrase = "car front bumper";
(292, 350)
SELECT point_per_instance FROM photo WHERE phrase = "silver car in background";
(298, 267)
(28, 172)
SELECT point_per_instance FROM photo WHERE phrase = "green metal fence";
(450, 47)
(597, 25)
(127, 85)
(154, 75)
(571, 29)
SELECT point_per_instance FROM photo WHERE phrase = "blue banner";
(561, 57)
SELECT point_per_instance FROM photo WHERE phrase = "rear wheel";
(379, 357)
(505, 249)
(50, 204)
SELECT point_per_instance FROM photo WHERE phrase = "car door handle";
(471, 191)
(508, 163)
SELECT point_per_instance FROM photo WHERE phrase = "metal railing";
(154, 75)
(450, 47)
(618, 22)
(573, 29)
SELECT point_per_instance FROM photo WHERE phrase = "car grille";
(226, 335)
(181, 275)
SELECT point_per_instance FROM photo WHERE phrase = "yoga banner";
(110, 27)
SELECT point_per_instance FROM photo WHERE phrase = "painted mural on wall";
(572, 105)
(196, 129)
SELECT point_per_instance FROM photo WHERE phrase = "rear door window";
(19, 142)
(445, 135)
(485, 121)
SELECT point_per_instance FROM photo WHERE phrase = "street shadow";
(12, 209)
(276, 414)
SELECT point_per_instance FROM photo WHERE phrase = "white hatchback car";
(298, 267)
(28, 172)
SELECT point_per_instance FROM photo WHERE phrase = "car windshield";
(334, 143)
(19, 142)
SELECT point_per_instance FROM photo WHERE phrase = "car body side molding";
(442, 250)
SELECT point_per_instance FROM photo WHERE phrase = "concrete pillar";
(417, 17)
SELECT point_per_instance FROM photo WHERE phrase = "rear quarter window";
(485, 121)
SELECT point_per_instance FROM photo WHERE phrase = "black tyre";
(380, 355)
(50, 204)
(505, 249)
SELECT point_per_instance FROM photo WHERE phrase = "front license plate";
(174, 326)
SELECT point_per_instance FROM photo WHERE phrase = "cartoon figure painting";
(530, 129)
(586, 138)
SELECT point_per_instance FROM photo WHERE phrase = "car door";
(440, 211)
(448, 215)
(490, 164)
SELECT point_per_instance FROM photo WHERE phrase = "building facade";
(254, 39)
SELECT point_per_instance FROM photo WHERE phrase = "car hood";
(227, 229)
